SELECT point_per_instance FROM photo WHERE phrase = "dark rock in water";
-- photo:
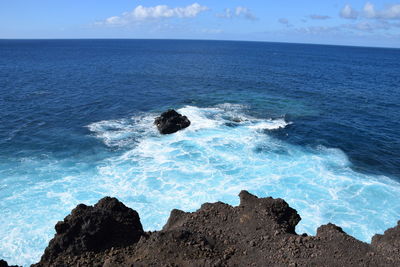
(3, 263)
(107, 224)
(234, 122)
(171, 122)
(238, 120)
(258, 232)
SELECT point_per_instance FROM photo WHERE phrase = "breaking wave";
(222, 152)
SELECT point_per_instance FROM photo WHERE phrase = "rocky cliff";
(258, 232)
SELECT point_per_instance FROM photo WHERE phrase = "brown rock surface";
(107, 224)
(258, 232)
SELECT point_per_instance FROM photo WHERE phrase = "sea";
(316, 125)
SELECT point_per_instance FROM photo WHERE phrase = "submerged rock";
(258, 232)
(171, 122)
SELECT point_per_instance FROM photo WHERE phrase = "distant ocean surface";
(319, 127)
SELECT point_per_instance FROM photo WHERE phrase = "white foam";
(207, 162)
(122, 133)
(269, 124)
(198, 117)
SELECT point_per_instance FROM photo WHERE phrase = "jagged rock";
(278, 210)
(258, 232)
(171, 122)
(107, 224)
(389, 242)
(3, 263)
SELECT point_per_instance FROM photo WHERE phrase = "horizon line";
(189, 39)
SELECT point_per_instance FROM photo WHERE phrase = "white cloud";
(348, 12)
(142, 13)
(244, 12)
(368, 26)
(369, 11)
(239, 12)
(390, 12)
(316, 30)
(226, 15)
(320, 17)
(285, 21)
(113, 20)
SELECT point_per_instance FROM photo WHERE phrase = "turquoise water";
(77, 125)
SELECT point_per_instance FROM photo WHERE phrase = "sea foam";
(213, 160)
(222, 152)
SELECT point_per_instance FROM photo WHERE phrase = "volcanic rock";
(388, 244)
(258, 232)
(3, 263)
(171, 122)
(107, 224)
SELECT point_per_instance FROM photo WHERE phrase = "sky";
(349, 22)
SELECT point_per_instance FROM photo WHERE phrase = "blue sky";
(352, 22)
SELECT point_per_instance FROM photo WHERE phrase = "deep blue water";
(319, 128)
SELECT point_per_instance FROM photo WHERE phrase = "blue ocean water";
(318, 127)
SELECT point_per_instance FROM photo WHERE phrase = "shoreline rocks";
(171, 121)
(3, 263)
(107, 224)
(258, 232)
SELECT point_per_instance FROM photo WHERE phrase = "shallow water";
(315, 125)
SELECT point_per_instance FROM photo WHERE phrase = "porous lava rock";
(107, 224)
(388, 244)
(258, 232)
(171, 121)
